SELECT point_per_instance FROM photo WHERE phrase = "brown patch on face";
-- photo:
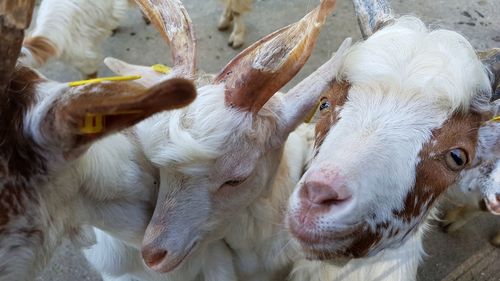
(433, 175)
(41, 48)
(19, 152)
(337, 96)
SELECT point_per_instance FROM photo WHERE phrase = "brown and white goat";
(233, 16)
(73, 31)
(41, 139)
(479, 186)
(218, 159)
(397, 128)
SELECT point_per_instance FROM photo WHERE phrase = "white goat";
(397, 128)
(233, 15)
(218, 158)
(73, 31)
(43, 134)
(479, 187)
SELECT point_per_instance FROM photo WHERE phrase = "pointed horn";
(491, 59)
(372, 15)
(15, 17)
(259, 71)
(171, 19)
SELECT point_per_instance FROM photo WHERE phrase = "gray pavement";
(136, 42)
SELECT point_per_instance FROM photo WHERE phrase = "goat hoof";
(91, 75)
(223, 26)
(495, 241)
(224, 23)
(448, 227)
(235, 41)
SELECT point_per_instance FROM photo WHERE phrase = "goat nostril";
(497, 197)
(321, 194)
(153, 257)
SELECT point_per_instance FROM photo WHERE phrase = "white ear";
(150, 77)
(302, 98)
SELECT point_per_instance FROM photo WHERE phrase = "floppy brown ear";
(86, 113)
(258, 72)
(171, 19)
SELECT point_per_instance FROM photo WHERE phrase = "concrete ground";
(136, 42)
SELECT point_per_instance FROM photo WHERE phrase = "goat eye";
(233, 182)
(456, 159)
(324, 104)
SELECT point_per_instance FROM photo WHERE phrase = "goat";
(479, 187)
(411, 100)
(219, 156)
(233, 16)
(73, 31)
(41, 139)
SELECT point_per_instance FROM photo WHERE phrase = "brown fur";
(433, 175)
(18, 152)
(41, 48)
(337, 96)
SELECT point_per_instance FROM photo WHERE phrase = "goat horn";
(372, 15)
(171, 19)
(15, 17)
(491, 59)
(260, 70)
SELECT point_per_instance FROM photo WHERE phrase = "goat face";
(214, 163)
(395, 131)
(487, 170)
(41, 133)
(219, 155)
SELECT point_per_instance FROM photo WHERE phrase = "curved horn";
(372, 15)
(171, 19)
(15, 17)
(491, 59)
(259, 71)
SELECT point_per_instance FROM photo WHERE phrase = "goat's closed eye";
(234, 182)
(456, 159)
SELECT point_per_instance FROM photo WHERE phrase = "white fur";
(406, 81)
(77, 28)
(389, 265)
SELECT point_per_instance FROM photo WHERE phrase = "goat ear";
(372, 15)
(172, 21)
(258, 72)
(302, 98)
(150, 77)
(89, 112)
(491, 59)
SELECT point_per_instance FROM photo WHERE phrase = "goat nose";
(153, 256)
(326, 188)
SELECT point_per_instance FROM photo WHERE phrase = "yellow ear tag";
(313, 112)
(495, 119)
(161, 68)
(103, 79)
(93, 123)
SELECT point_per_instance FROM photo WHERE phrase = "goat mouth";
(168, 265)
(493, 208)
(310, 237)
